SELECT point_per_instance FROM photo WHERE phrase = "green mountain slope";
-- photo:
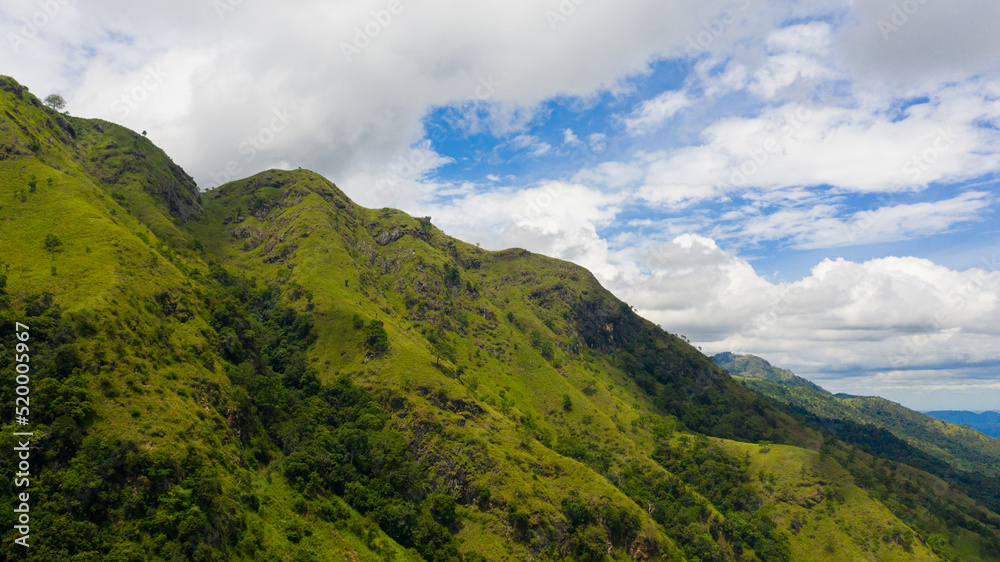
(267, 371)
(751, 366)
(134, 456)
(960, 455)
(960, 447)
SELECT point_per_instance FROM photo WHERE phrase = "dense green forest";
(267, 371)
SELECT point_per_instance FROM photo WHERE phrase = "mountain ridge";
(987, 423)
(267, 370)
(758, 367)
(927, 433)
(961, 455)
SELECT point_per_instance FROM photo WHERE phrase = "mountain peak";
(128, 163)
(752, 366)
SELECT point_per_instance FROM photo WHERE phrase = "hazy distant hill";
(986, 422)
(961, 455)
(960, 447)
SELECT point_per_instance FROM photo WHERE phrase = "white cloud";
(531, 144)
(796, 53)
(500, 59)
(401, 180)
(653, 113)
(820, 227)
(731, 77)
(597, 141)
(610, 175)
(884, 314)
(781, 71)
(570, 138)
(860, 149)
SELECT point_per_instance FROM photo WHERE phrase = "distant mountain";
(986, 422)
(759, 368)
(959, 455)
(960, 447)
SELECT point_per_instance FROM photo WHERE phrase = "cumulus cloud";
(796, 52)
(860, 148)
(692, 286)
(846, 323)
(361, 77)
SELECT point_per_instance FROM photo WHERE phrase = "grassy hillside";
(267, 371)
(135, 456)
(963, 457)
(960, 447)
(751, 366)
(567, 340)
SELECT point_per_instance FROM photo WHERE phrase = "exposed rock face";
(389, 236)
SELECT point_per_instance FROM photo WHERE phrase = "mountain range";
(268, 371)
(987, 423)
(959, 454)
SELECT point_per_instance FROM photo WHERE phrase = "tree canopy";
(55, 101)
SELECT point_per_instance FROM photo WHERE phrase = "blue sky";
(814, 182)
(553, 145)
